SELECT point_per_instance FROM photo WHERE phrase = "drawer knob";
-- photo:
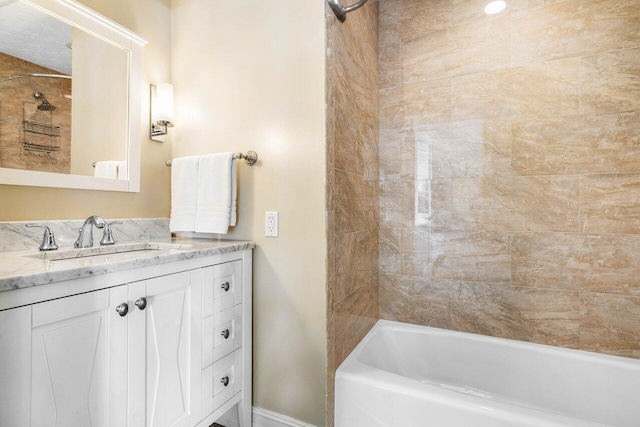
(141, 303)
(225, 381)
(122, 309)
(225, 286)
(225, 334)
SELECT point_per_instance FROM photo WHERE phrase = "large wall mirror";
(69, 97)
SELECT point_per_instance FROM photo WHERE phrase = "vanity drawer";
(227, 370)
(215, 328)
(221, 287)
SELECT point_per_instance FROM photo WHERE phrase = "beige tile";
(396, 156)
(516, 203)
(418, 17)
(548, 89)
(610, 204)
(415, 252)
(390, 250)
(481, 96)
(355, 146)
(609, 324)
(581, 145)
(478, 46)
(432, 204)
(466, 149)
(596, 263)
(426, 103)
(390, 60)
(413, 107)
(573, 28)
(418, 301)
(391, 109)
(396, 203)
(471, 256)
(527, 314)
(355, 203)
(356, 261)
(610, 82)
(353, 318)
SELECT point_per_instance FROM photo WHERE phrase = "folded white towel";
(106, 169)
(123, 170)
(184, 193)
(234, 193)
(215, 188)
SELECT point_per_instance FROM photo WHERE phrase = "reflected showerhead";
(44, 104)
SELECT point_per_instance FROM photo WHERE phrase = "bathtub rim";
(354, 370)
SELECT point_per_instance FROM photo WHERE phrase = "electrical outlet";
(271, 224)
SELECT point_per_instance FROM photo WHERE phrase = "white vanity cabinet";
(169, 347)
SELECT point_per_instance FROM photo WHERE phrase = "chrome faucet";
(85, 239)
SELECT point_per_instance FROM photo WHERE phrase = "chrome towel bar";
(251, 158)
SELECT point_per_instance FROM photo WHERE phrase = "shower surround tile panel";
(528, 314)
(352, 183)
(610, 324)
(585, 262)
(573, 28)
(610, 82)
(610, 204)
(509, 177)
(15, 237)
(453, 52)
(577, 145)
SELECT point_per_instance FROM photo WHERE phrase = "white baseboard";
(262, 418)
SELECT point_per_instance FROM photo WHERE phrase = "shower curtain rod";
(341, 11)
(22, 76)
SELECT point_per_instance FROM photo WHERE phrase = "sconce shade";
(163, 108)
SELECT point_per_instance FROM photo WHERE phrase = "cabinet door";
(168, 360)
(79, 361)
(15, 362)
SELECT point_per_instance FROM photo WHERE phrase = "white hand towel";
(184, 193)
(123, 170)
(234, 193)
(215, 187)
(106, 169)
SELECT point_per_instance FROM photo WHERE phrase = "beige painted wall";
(250, 75)
(152, 20)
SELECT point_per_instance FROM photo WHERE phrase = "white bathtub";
(405, 375)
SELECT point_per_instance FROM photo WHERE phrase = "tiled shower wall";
(510, 169)
(352, 183)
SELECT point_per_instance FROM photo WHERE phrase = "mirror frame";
(84, 18)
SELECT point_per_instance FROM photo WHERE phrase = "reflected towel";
(123, 170)
(215, 192)
(106, 169)
(184, 193)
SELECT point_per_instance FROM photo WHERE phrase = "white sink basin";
(120, 251)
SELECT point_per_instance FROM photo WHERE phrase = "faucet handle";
(107, 237)
(48, 240)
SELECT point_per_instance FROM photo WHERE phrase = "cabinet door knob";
(225, 286)
(225, 333)
(225, 381)
(141, 303)
(122, 309)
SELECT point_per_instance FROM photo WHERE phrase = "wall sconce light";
(161, 110)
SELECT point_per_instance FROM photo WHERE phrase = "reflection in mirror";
(64, 96)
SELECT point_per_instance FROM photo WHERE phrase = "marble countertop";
(21, 269)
